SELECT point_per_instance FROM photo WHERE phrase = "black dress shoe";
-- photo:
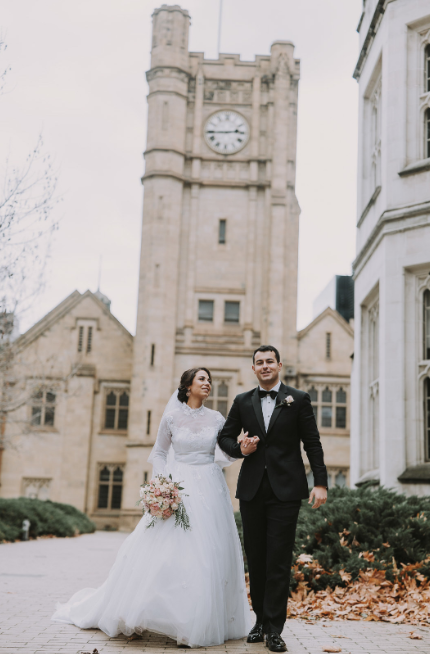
(275, 643)
(256, 634)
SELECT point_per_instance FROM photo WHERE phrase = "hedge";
(46, 519)
(361, 529)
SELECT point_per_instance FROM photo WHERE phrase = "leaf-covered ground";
(365, 555)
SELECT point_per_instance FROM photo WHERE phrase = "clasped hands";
(248, 445)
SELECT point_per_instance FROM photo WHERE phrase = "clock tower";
(218, 269)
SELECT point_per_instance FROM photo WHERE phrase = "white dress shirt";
(268, 405)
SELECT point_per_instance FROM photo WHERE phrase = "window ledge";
(113, 432)
(372, 478)
(417, 167)
(40, 428)
(333, 431)
(418, 474)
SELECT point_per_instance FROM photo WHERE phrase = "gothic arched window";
(110, 486)
(326, 409)
(427, 418)
(340, 479)
(427, 70)
(426, 320)
(427, 133)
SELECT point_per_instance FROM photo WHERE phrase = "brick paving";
(36, 575)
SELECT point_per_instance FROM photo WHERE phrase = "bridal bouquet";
(161, 498)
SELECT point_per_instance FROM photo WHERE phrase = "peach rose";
(157, 491)
(167, 513)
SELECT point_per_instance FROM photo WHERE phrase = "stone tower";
(218, 270)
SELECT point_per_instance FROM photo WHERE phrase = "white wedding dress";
(188, 585)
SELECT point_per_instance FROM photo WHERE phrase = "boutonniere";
(286, 402)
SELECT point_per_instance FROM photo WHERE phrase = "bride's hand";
(248, 445)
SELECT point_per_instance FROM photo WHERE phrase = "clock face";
(226, 132)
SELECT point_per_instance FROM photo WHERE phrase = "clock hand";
(235, 131)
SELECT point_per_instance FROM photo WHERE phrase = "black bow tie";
(273, 394)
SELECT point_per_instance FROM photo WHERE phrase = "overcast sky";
(78, 76)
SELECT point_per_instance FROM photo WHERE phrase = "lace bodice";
(193, 435)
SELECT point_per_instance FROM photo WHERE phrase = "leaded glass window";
(427, 70)
(427, 133)
(218, 397)
(111, 478)
(340, 479)
(313, 394)
(341, 417)
(427, 324)
(116, 410)
(327, 395)
(43, 408)
(326, 416)
(427, 418)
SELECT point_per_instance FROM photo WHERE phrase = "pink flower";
(154, 509)
(167, 513)
(157, 491)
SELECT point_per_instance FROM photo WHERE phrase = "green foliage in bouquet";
(46, 519)
(361, 529)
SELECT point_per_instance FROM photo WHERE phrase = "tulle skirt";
(188, 585)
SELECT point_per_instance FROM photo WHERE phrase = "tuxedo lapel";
(282, 394)
(256, 403)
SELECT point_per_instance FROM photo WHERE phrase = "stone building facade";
(324, 363)
(69, 390)
(218, 277)
(390, 443)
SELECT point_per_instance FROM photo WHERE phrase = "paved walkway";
(36, 575)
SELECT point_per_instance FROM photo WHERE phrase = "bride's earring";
(188, 393)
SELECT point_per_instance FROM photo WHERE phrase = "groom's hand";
(248, 445)
(319, 494)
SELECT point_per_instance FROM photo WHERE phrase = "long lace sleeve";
(158, 456)
(221, 458)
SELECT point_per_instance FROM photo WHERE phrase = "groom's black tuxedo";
(271, 485)
(279, 448)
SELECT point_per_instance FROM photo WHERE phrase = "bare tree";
(27, 199)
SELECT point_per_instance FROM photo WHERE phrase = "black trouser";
(269, 529)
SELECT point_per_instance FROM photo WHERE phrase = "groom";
(272, 482)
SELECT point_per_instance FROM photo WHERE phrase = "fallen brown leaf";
(415, 636)
(332, 648)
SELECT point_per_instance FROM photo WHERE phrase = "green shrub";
(363, 528)
(46, 519)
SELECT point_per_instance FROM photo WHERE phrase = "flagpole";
(219, 26)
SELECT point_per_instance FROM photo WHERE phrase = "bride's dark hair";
(186, 381)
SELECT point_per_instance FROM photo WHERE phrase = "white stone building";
(390, 434)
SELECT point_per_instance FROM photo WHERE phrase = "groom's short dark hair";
(267, 348)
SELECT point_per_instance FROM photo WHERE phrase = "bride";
(188, 585)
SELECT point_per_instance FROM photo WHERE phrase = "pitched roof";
(61, 310)
(324, 314)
